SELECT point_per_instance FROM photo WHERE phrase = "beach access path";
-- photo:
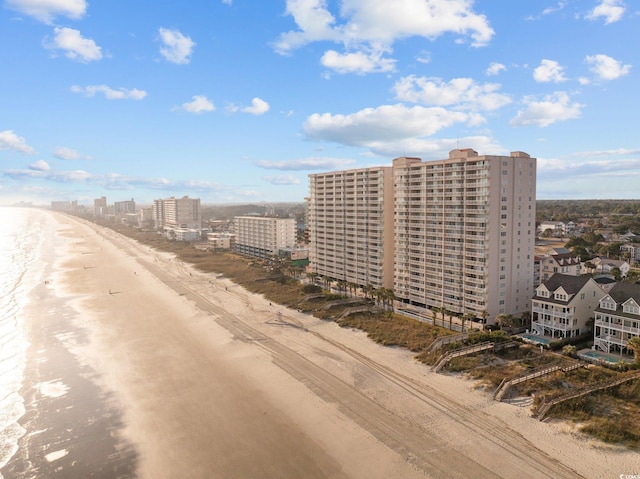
(214, 381)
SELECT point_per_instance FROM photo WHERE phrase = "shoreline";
(208, 385)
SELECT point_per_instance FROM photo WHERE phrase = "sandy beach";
(169, 372)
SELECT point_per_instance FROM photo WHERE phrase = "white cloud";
(10, 141)
(46, 10)
(109, 93)
(371, 27)
(424, 57)
(305, 164)
(382, 124)
(549, 71)
(40, 165)
(280, 180)
(357, 62)
(495, 68)
(607, 68)
(75, 46)
(611, 10)
(258, 107)
(553, 108)
(199, 104)
(176, 47)
(65, 153)
(616, 152)
(463, 93)
(557, 8)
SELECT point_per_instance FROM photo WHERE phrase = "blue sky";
(239, 100)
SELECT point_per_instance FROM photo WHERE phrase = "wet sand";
(167, 372)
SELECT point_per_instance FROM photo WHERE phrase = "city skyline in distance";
(234, 102)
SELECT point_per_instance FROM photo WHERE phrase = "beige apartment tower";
(459, 232)
(350, 220)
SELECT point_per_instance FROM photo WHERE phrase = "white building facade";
(263, 237)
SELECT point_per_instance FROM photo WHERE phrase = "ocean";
(26, 233)
(56, 421)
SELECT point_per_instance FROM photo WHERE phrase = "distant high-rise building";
(100, 207)
(173, 213)
(121, 208)
(462, 230)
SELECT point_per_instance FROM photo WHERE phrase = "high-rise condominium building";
(124, 207)
(463, 231)
(263, 236)
(174, 213)
(350, 221)
(100, 207)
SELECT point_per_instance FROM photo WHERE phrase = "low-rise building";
(562, 306)
(217, 240)
(183, 234)
(617, 319)
(554, 228)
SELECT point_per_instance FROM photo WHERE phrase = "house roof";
(571, 284)
(623, 291)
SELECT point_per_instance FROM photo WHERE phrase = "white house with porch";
(562, 306)
(617, 319)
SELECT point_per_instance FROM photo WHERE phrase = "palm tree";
(390, 297)
(466, 317)
(634, 344)
(368, 291)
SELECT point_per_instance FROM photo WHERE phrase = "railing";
(546, 406)
(445, 358)
(506, 383)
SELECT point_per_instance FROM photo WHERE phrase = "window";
(606, 304)
(631, 308)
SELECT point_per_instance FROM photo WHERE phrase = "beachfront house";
(562, 306)
(617, 319)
